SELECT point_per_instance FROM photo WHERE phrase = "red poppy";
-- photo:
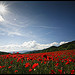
(22, 61)
(28, 59)
(41, 62)
(44, 62)
(35, 65)
(30, 70)
(16, 71)
(52, 72)
(9, 67)
(45, 59)
(56, 64)
(11, 62)
(3, 66)
(62, 61)
(72, 71)
(39, 59)
(67, 63)
(0, 66)
(17, 52)
(27, 64)
(18, 59)
(60, 71)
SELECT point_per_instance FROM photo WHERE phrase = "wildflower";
(0, 66)
(67, 63)
(44, 62)
(62, 61)
(60, 71)
(18, 59)
(45, 59)
(41, 62)
(27, 64)
(11, 62)
(22, 61)
(9, 67)
(16, 71)
(30, 70)
(39, 59)
(28, 59)
(35, 65)
(14, 56)
(56, 64)
(7, 57)
(52, 72)
(72, 71)
(34, 69)
(17, 52)
(3, 66)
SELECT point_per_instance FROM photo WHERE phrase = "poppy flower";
(22, 61)
(18, 59)
(28, 59)
(35, 65)
(52, 72)
(56, 64)
(16, 71)
(67, 63)
(17, 52)
(45, 59)
(39, 59)
(27, 64)
(44, 62)
(41, 62)
(30, 70)
(0, 66)
(9, 67)
(11, 62)
(3, 66)
(60, 71)
(72, 71)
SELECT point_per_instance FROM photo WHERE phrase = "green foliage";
(71, 46)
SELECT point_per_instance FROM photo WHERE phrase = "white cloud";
(14, 33)
(46, 27)
(10, 32)
(30, 45)
(1, 19)
(62, 43)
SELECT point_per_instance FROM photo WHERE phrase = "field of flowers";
(58, 62)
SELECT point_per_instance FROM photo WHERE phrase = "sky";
(35, 25)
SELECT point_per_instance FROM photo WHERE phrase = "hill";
(2, 53)
(66, 46)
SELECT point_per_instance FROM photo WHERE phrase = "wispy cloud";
(9, 28)
(46, 27)
(1, 19)
(30, 45)
(14, 27)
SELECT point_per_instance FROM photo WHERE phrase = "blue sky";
(36, 22)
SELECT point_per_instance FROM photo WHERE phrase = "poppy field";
(57, 62)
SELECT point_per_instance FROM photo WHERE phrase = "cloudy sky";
(33, 25)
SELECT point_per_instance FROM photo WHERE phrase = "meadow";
(57, 62)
